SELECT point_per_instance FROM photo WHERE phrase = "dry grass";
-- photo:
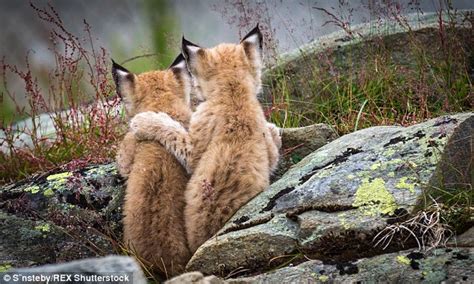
(427, 228)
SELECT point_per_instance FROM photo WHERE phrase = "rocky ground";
(317, 222)
(339, 210)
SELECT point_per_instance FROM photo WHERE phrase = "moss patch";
(373, 198)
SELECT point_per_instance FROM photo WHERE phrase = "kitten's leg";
(273, 142)
(126, 154)
(167, 131)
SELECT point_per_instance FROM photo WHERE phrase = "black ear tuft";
(179, 66)
(179, 59)
(188, 47)
(121, 76)
(255, 32)
(116, 66)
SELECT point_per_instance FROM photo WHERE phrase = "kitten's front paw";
(276, 134)
(142, 125)
(147, 125)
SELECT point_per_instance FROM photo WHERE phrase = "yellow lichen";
(5, 267)
(323, 278)
(33, 189)
(391, 174)
(375, 166)
(373, 198)
(43, 228)
(48, 192)
(395, 161)
(389, 152)
(60, 176)
(412, 164)
(402, 184)
(403, 260)
(343, 220)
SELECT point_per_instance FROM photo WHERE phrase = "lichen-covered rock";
(112, 269)
(300, 142)
(409, 266)
(61, 216)
(332, 203)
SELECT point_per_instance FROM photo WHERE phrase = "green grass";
(375, 88)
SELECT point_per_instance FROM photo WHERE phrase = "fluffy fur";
(230, 149)
(154, 203)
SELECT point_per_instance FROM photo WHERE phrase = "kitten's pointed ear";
(179, 62)
(181, 72)
(254, 37)
(253, 46)
(189, 51)
(124, 84)
(124, 79)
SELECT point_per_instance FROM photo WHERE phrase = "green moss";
(402, 184)
(403, 260)
(373, 198)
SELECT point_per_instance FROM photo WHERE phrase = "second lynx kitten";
(230, 148)
(153, 220)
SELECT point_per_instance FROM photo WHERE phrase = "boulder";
(350, 53)
(408, 266)
(332, 204)
(61, 216)
(109, 269)
(299, 142)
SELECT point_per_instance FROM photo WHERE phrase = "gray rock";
(121, 269)
(195, 277)
(409, 266)
(300, 142)
(332, 203)
(466, 239)
(347, 53)
(61, 216)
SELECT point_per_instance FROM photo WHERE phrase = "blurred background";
(130, 28)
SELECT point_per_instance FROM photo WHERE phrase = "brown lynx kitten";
(154, 202)
(230, 149)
